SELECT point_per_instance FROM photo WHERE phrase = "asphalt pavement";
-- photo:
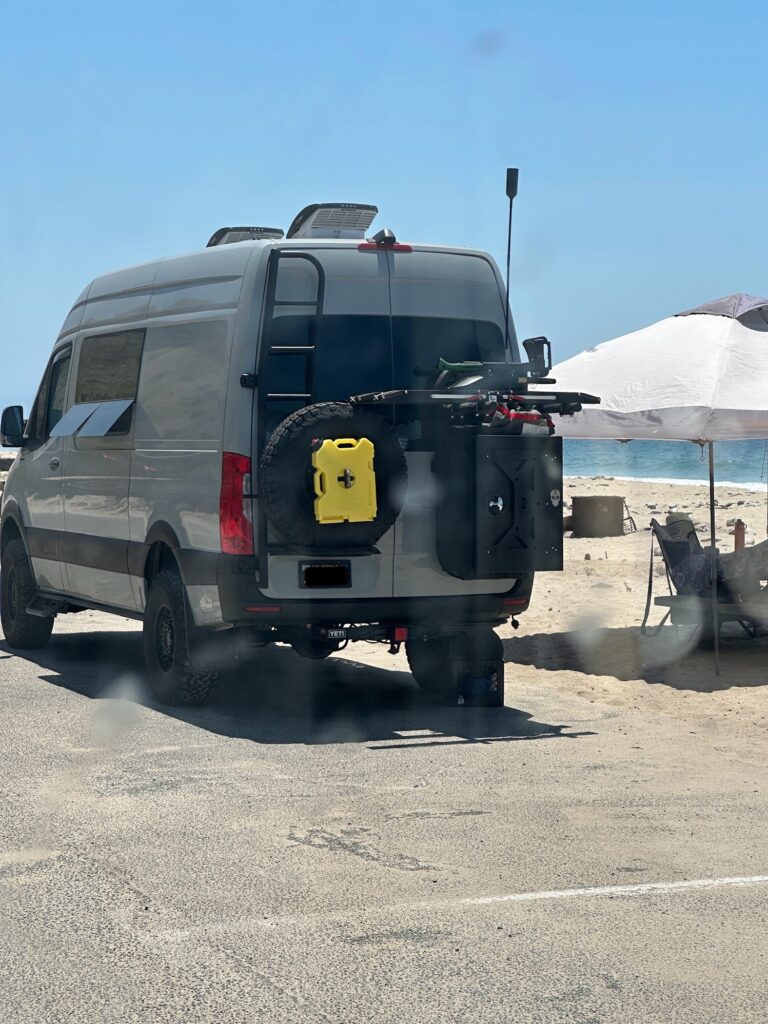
(322, 844)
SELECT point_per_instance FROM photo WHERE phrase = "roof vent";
(225, 236)
(333, 220)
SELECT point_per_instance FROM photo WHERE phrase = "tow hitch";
(393, 635)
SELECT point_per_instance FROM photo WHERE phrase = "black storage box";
(500, 512)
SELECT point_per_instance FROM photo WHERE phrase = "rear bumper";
(242, 603)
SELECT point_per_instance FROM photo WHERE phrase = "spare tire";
(286, 477)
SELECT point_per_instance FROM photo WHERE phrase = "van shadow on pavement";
(671, 658)
(277, 697)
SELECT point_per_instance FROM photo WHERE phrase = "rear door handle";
(54, 463)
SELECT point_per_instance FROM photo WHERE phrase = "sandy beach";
(582, 635)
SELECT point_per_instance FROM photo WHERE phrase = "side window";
(57, 391)
(183, 382)
(51, 398)
(108, 371)
(108, 368)
(37, 415)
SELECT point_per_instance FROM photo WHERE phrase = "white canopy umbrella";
(698, 376)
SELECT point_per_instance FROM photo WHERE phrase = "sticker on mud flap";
(554, 496)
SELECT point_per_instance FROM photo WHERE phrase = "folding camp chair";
(741, 596)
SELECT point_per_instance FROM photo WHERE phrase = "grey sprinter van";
(314, 438)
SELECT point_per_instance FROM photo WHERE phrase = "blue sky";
(133, 130)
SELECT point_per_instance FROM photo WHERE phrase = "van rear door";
(344, 321)
(449, 305)
(326, 336)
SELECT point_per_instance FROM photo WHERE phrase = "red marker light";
(375, 247)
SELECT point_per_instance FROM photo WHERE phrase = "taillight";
(235, 528)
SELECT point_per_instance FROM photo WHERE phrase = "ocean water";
(738, 462)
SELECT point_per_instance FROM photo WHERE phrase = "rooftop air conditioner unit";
(225, 236)
(333, 220)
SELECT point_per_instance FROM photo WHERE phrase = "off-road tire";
(20, 629)
(435, 663)
(286, 476)
(176, 673)
(429, 660)
(483, 651)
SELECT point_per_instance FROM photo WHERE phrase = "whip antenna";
(511, 193)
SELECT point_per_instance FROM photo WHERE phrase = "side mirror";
(12, 427)
(539, 352)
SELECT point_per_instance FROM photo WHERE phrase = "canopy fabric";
(735, 305)
(685, 378)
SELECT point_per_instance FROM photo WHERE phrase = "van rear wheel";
(430, 663)
(20, 629)
(478, 661)
(175, 671)
(469, 665)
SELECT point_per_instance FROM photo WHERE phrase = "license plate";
(336, 634)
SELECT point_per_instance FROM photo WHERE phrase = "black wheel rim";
(165, 639)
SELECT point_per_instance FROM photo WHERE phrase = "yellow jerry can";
(345, 482)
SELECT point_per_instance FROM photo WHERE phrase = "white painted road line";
(245, 925)
(639, 889)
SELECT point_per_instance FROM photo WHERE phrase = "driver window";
(55, 405)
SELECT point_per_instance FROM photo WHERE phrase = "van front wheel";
(175, 673)
(20, 629)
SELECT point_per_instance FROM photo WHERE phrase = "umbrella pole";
(713, 554)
